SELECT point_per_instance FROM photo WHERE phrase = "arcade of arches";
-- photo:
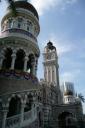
(18, 60)
(15, 105)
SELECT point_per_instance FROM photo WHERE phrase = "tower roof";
(50, 46)
(67, 93)
(25, 5)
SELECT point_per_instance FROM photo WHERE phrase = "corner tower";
(51, 74)
(19, 34)
(19, 86)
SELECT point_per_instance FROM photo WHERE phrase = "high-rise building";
(24, 101)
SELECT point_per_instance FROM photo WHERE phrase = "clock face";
(53, 55)
(48, 57)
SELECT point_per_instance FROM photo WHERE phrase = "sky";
(63, 23)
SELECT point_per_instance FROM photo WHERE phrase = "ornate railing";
(15, 121)
(31, 114)
(27, 115)
(18, 75)
(20, 31)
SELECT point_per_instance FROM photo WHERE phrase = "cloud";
(43, 6)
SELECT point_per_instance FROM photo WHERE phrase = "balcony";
(18, 74)
(15, 32)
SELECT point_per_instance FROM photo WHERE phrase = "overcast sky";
(63, 23)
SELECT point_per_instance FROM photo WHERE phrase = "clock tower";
(51, 74)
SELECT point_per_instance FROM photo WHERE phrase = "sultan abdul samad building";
(24, 101)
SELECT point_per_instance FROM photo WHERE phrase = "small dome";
(50, 46)
(66, 93)
(49, 43)
(25, 5)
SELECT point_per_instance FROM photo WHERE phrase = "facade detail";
(26, 102)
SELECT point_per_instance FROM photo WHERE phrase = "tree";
(12, 7)
(81, 97)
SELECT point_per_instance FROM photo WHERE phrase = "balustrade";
(19, 31)
(27, 115)
(15, 121)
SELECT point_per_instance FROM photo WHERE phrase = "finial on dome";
(50, 45)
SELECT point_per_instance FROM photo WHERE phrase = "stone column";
(51, 74)
(1, 61)
(4, 115)
(33, 68)
(55, 77)
(36, 63)
(25, 63)
(22, 112)
(13, 60)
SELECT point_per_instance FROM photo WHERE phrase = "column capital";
(26, 58)
(4, 111)
(13, 55)
(33, 63)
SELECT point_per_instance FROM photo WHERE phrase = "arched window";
(14, 106)
(29, 102)
(29, 25)
(10, 23)
(31, 59)
(20, 21)
(19, 62)
(7, 58)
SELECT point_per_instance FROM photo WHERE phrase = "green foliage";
(81, 97)
(11, 7)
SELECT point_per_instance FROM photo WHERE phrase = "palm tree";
(12, 7)
(81, 97)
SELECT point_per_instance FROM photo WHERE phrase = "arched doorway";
(14, 106)
(7, 59)
(62, 119)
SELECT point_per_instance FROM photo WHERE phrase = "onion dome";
(68, 88)
(67, 93)
(25, 5)
(50, 46)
